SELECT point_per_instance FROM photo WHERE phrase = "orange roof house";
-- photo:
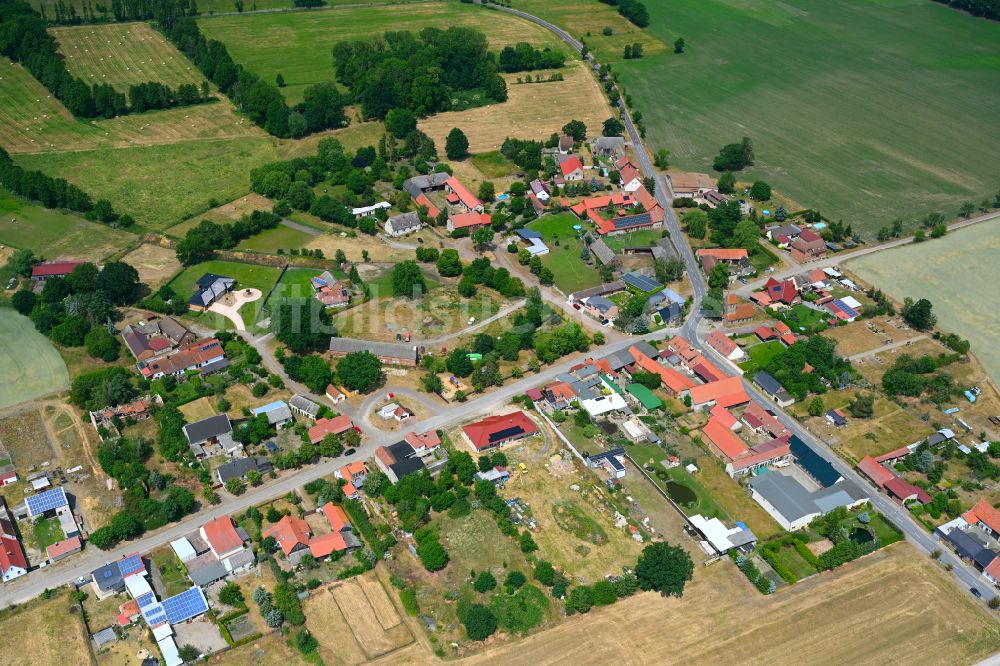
(468, 220)
(724, 345)
(335, 426)
(222, 536)
(728, 392)
(325, 544)
(725, 417)
(432, 210)
(983, 513)
(722, 441)
(674, 381)
(423, 441)
(336, 516)
(465, 197)
(292, 534)
(570, 166)
(874, 471)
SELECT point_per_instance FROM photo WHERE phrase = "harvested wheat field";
(227, 212)
(355, 621)
(123, 54)
(44, 633)
(155, 264)
(891, 607)
(532, 111)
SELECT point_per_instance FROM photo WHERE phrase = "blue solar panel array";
(641, 282)
(185, 605)
(146, 600)
(851, 312)
(130, 565)
(47, 501)
(156, 616)
(632, 220)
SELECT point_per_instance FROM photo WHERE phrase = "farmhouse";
(335, 426)
(471, 220)
(50, 269)
(570, 167)
(199, 355)
(794, 506)
(808, 247)
(539, 190)
(459, 195)
(690, 184)
(727, 392)
(600, 308)
(735, 258)
(721, 343)
(400, 225)
(616, 200)
(535, 245)
(630, 178)
(223, 538)
(675, 382)
(625, 223)
(156, 338)
(418, 185)
(599, 290)
(601, 251)
(496, 431)
(239, 468)
(12, 560)
(330, 291)
(354, 474)
(210, 288)
(392, 354)
(341, 538)
(774, 390)
(612, 147)
(110, 578)
(783, 292)
(721, 441)
(760, 458)
(63, 549)
(762, 421)
(292, 536)
(211, 436)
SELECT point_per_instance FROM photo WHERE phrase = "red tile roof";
(902, 489)
(569, 166)
(673, 380)
(353, 469)
(11, 554)
(707, 371)
(289, 533)
(721, 343)
(60, 548)
(741, 312)
(765, 333)
(731, 446)
(783, 291)
(470, 219)
(629, 173)
(649, 202)
(336, 516)
(427, 439)
(480, 432)
(993, 569)
(901, 452)
(723, 416)
(758, 418)
(727, 392)
(723, 254)
(763, 454)
(682, 348)
(809, 236)
(468, 199)
(350, 490)
(874, 471)
(789, 339)
(983, 512)
(222, 536)
(325, 544)
(432, 210)
(324, 427)
(616, 199)
(51, 268)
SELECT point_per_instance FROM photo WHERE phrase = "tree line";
(322, 106)
(633, 10)
(524, 57)
(422, 73)
(202, 242)
(25, 40)
(986, 8)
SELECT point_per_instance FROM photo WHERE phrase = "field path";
(883, 348)
(285, 222)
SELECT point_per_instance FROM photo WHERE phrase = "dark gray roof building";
(386, 351)
(212, 427)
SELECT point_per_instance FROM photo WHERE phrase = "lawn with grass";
(571, 272)
(55, 235)
(47, 532)
(788, 557)
(733, 498)
(644, 238)
(296, 283)
(493, 164)
(760, 355)
(171, 571)
(298, 45)
(804, 319)
(820, 88)
(704, 504)
(279, 238)
(30, 366)
(246, 275)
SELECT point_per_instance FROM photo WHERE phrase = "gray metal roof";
(304, 404)
(213, 426)
(418, 184)
(789, 497)
(237, 469)
(404, 222)
(381, 349)
(206, 569)
(601, 250)
(599, 290)
(647, 349)
(601, 303)
(105, 636)
(767, 382)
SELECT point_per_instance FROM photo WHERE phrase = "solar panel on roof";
(130, 565)
(185, 605)
(847, 309)
(47, 501)
(156, 616)
(641, 282)
(505, 433)
(146, 600)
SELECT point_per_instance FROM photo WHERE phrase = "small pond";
(680, 493)
(860, 535)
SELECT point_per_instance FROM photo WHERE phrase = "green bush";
(409, 598)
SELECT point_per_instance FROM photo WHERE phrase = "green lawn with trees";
(570, 270)
(828, 127)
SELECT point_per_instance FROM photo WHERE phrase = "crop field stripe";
(122, 54)
(30, 365)
(881, 110)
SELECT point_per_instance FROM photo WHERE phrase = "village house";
(400, 225)
(728, 392)
(156, 338)
(341, 538)
(292, 536)
(773, 388)
(630, 178)
(611, 147)
(722, 343)
(600, 308)
(335, 426)
(470, 220)
(210, 288)
(808, 247)
(539, 190)
(772, 453)
(304, 407)
(495, 431)
(13, 563)
(330, 291)
(205, 355)
(736, 258)
(459, 195)
(369, 211)
(211, 437)
(571, 168)
(690, 185)
(278, 413)
(239, 468)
